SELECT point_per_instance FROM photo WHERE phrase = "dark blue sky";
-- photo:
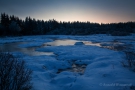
(101, 11)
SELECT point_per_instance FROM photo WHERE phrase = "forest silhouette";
(11, 25)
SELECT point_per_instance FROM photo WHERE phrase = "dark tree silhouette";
(31, 26)
(13, 73)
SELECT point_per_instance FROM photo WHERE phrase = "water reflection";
(64, 42)
(13, 47)
(112, 45)
(67, 42)
(92, 43)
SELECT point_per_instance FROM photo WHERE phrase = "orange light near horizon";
(71, 14)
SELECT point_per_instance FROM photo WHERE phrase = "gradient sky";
(100, 11)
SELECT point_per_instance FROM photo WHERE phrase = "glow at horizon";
(100, 11)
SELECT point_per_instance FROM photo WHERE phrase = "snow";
(103, 71)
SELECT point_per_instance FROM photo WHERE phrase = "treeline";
(13, 26)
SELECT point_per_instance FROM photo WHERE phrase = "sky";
(99, 11)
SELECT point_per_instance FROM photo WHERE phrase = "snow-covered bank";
(103, 67)
(103, 70)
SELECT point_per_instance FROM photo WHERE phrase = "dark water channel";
(14, 47)
(68, 42)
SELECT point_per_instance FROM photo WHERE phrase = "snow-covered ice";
(103, 70)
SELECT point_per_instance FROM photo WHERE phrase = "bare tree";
(13, 74)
